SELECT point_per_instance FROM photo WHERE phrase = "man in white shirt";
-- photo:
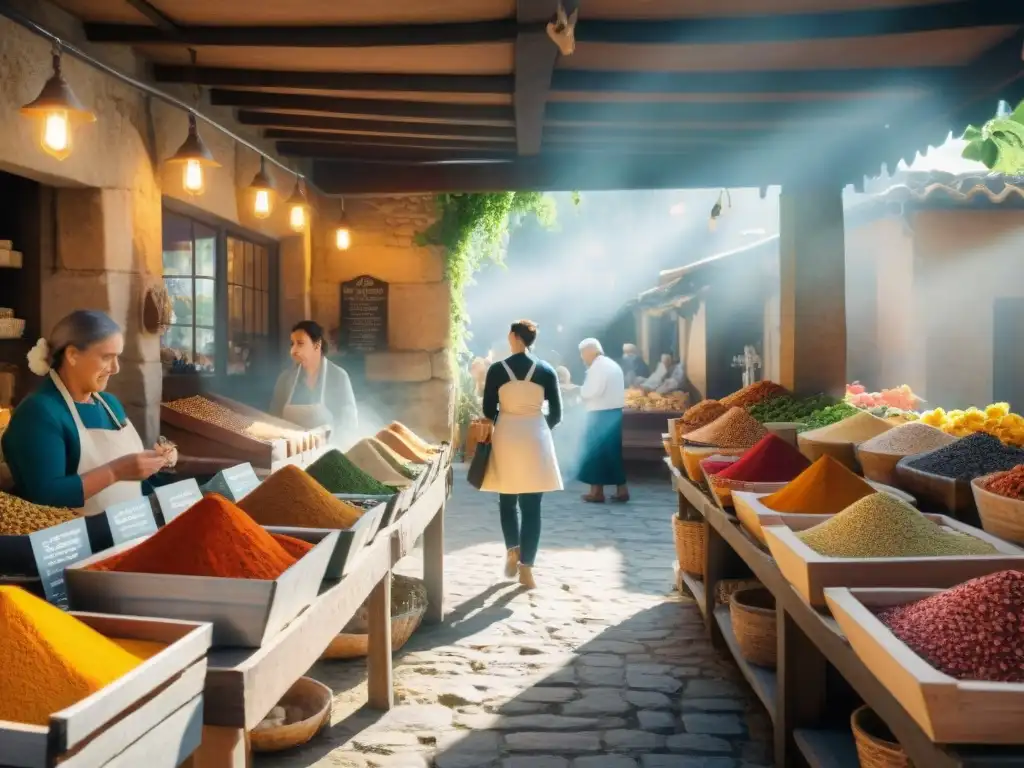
(604, 396)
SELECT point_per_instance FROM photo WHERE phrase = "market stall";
(644, 419)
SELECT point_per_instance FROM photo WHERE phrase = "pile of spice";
(399, 445)
(699, 415)
(1009, 483)
(290, 497)
(339, 475)
(20, 518)
(212, 538)
(713, 466)
(364, 456)
(772, 460)
(734, 429)
(908, 439)
(830, 414)
(856, 429)
(754, 393)
(412, 438)
(401, 466)
(969, 457)
(788, 409)
(974, 631)
(824, 488)
(880, 525)
(51, 659)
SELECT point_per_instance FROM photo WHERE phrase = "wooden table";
(243, 685)
(811, 648)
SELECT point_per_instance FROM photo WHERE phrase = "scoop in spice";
(339, 475)
(969, 457)
(735, 429)
(973, 631)
(290, 497)
(880, 525)
(908, 439)
(824, 488)
(772, 460)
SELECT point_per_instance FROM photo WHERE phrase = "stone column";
(294, 281)
(812, 267)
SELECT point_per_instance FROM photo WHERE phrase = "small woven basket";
(1000, 515)
(11, 328)
(689, 538)
(408, 604)
(725, 587)
(314, 699)
(752, 611)
(875, 745)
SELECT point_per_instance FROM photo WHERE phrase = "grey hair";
(81, 329)
(593, 344)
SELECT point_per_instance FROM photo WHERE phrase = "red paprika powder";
(771, 460)
(211, 538)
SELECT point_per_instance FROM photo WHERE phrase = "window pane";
(248, 265)
(205, 349)
(206, 251)
(206, 299)
(180, 291)
(250, 311)
(179, 340)
(177, 245)
(236, 302)
(234, 259)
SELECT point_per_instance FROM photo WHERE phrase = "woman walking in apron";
(523, 465)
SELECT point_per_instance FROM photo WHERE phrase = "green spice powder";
(339, 475)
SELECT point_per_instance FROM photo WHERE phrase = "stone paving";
(602, 666)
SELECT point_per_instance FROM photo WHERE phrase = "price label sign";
(174, 499)
(234, 483)
(54, 549)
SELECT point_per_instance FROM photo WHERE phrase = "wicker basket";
(725, 587)
(408, 604)
(693, 455)
(1000, 515)
(11, 328)
(875, 745)
(752, 611)
(689, 538)
(314, 700)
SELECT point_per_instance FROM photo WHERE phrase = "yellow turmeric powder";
(140, 649)
(51, 659)
(824, 488)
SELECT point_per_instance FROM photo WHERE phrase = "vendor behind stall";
(69, 443)
(316, 392)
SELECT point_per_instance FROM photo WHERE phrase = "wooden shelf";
(827, 748)
(696, 587)
(762, 680)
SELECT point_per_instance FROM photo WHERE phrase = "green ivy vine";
(999, 143)
(473, 229)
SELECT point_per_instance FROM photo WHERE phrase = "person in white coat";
(523, 465)
(604, 396)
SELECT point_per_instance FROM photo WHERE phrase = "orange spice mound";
(754, 393)
(411, 437)
(291, 497)
(212, 538)
(294, 547)
(736, 429)
(699, 415)
(399, 445)
(824, 488)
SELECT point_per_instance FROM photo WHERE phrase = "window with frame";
(190, 276)
(248, 279)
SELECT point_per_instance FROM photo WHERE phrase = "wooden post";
(433, 568)
(800, 698)
(221, 748)
(812, 289)
(378, 660)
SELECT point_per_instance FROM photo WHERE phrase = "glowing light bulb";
(342, 238)
(192, 177)
(297, 218)
(56, 138)
(261, 205)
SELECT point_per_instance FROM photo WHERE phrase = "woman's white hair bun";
(39, 358)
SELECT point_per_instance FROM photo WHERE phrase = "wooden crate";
(348, 543)
(948, 710)
(244, 612)
(810, 573)
(953, 496)
(153, 712)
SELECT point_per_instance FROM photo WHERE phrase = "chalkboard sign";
(54, 549)
(121, 522)
(364, 315)
(174, 499)
(234, 483)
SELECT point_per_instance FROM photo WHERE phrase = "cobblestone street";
(603, 666)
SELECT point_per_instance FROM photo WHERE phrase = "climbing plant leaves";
(999, 143)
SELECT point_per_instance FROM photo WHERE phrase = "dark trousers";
(521, 528)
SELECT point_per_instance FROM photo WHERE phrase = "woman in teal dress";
(69, 443)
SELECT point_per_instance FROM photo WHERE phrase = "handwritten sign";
(364, 315)
(233, 483)
(54, 549)
(121, 522)
(175, 498)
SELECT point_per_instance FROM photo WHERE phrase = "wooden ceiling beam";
(332, 81)
(391, 153)
(728, 29)
(325, 123)
(433, 142)
(484, 114)
(535, 58)
(158, 18)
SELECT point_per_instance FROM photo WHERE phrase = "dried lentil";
(974, 631)
(1009, 483)
(908, 439)
(218, 414)
(824, 488)
(881, 525)
(19, 517)
(735, 429)
(754, 393)
(856, 429)
(969, 457)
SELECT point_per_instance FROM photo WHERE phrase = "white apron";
(522, 452)
(101, 446)
(309, 416)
